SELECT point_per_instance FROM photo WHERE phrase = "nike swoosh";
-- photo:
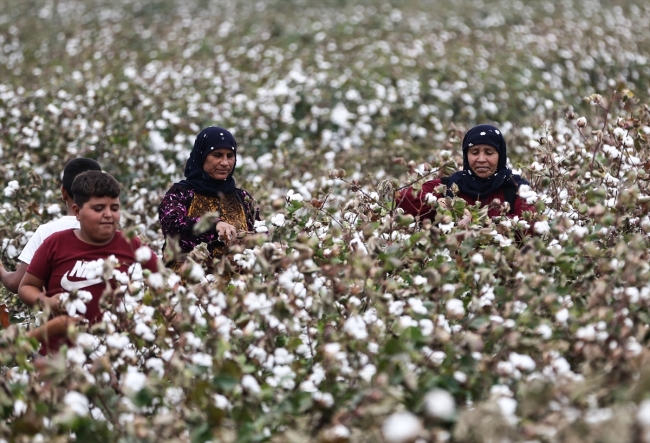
(76, 285)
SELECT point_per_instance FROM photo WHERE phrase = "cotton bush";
(340, 318)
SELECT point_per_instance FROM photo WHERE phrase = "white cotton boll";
(202, 359)
(527, 194)
(643, 413)
(406, 321)
(156, 280)
(278, 220)
(80, 306)
(542, 227)
(417, 306)
(401, 427)
(260, 227)
(134, 381)
(331, 350)
(508, 407)
(544, 330)
(446, 227)
(477, 259)
(250, 384)
(294, 196)
(396, 307)
(562, 315)
(11, 251)
(145, 332)
(324, 399)
(156, 365)
(501, 391)
(76, 355)
(221, 402)
(20, 407)
(418, 280)
(70, 305)
(11, 188)
(522, 362)
(586, 333)
(336, 433)
(197, 272)
(426, 327)
(282, 357)
(53, 209)
(455, 308)
(143, 254)
(84, 296)
(340, 116)
(460, 377)
(117, 341)
(356, 327)
(87, 341)
(448, 288)
(77, 402)
(367, 372)
(440, 404)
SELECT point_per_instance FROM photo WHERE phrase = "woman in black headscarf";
(209, 186)
(484, 178)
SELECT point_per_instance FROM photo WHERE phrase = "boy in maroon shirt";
(63, 263)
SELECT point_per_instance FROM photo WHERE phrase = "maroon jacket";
(416, 204)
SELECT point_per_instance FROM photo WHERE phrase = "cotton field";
(340, 318)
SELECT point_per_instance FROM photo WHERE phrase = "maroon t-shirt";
(62, 263)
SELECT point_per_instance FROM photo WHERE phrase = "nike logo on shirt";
(77, 285)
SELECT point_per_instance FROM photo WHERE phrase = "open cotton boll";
(440, 404)
(278, 220)
(260, 227)
(356, 327)
(522, 362)
(134, 381)
(143, 254)
(401, 427)
(11, 188)
(250, 384)
(542, 227)
(20, 407)
(455, 308)
(202, 359)
(338, 433)
(527, 194)
(197, 272)
(77, 402)
(643, 413)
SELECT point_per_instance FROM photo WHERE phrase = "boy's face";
(98, 218)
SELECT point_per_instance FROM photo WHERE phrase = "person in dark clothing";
(209, 186)
(484, 178)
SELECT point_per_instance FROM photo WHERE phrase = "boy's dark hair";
(94, 184)
(75, 167)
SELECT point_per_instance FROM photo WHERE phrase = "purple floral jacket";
(174, 221)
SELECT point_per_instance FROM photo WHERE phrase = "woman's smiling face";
(483, 160)
(219, 163)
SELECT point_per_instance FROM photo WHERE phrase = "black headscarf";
(196, 178)
(472, 185)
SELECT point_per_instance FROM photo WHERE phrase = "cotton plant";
(341, 318)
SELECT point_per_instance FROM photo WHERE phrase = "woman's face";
(483, 160)
(219, 163)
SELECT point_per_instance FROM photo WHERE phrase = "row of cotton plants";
(341, 319)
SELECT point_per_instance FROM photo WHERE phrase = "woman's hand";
(226, 231)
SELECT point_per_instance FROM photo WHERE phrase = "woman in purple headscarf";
(209, 186)
(484, 178)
